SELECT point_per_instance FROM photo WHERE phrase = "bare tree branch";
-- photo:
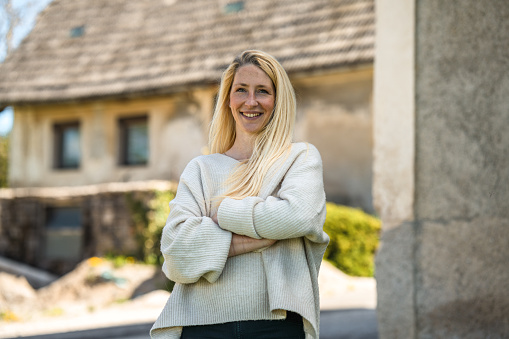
(11, 19)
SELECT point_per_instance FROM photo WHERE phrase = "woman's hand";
(214, 219)
(242, 244)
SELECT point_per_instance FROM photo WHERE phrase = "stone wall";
(107, 220)
(441, 157)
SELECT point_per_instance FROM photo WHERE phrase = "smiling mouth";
(251, 115)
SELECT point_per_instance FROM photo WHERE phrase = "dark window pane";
(137, 143)
(64, 233)
(134, 147)
(71, 152)
(63, 217)
(67, 145)
(76, 32)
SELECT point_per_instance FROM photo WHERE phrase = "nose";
(251, 100)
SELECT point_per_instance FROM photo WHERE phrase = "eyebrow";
(246, 85)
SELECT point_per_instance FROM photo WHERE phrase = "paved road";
(348, 324)
(138, 331)
(340, 324)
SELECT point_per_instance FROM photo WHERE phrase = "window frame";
(64, 234)
(123, 146)
(58, 144)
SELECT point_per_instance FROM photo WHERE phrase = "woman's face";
(252, 99)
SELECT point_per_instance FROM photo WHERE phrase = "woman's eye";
(264, 91)
(240, 90)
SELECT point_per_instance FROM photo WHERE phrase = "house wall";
(334, 114)
(441, 163)
(176, 135)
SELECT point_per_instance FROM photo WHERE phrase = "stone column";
(441, 166)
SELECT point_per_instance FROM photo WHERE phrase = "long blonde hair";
(272, 142)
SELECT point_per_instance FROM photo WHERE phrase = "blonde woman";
(244, 239)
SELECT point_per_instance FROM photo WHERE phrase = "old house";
(109, 95)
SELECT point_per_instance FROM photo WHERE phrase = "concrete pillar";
(441, 162)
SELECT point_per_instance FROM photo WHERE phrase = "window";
(64, 233)
(77, 31)
(67, 145)
(134, 141)
(234, 7)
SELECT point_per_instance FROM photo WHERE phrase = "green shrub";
(353, 239)
(4, 160)
(159, 210)
(149, 220)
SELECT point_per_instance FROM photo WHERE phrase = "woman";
(244, 239)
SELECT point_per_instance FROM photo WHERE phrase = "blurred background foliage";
(4, 160)
(149, 218)
(353, 239)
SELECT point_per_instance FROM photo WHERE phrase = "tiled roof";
(99, 48)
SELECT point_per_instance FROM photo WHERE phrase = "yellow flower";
(95, 261)
(8, 316)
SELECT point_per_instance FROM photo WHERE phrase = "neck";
(242, 148)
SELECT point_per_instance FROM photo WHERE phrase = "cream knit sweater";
(212, 288)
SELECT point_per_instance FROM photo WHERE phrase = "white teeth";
(251, 115)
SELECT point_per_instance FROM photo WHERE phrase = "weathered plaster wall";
(393, 168)
(334, 114)
(176, 135)
(442, 267)
(462, 148)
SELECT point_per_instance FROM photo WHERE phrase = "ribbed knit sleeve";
(193, 246)
(297, 210)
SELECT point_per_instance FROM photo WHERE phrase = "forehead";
(252, 75)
